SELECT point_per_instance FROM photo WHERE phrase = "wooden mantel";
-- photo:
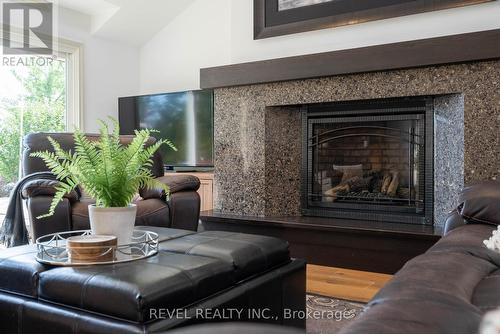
(484, 45)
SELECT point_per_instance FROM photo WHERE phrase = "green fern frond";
(62, 189)
(58, 150)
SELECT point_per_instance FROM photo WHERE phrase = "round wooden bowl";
(91, 248)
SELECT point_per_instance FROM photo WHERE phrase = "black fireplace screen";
(368, 164)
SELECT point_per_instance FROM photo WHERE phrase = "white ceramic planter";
(117, 221)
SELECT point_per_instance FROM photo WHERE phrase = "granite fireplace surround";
(258, 132)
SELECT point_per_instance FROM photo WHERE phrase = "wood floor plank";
(342, 283)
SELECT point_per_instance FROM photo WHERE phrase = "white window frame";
(72, 52)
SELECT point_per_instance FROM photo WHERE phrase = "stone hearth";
(256, 174)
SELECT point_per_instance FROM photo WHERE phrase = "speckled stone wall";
(283, 158)
(448, 153)
(246, 122)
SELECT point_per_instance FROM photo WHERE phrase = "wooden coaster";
(91, 248)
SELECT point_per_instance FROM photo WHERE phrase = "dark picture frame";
(269, 21)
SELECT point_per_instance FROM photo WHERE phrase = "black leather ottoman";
(235, 327)
(195, 277)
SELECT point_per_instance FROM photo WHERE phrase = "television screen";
(185, 118)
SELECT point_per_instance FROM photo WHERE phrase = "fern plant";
(106, 170)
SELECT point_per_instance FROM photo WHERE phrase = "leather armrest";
(453, 221)
(59, 222)
(184, 210)
(44, 187)
(479, 203)
(176, 184)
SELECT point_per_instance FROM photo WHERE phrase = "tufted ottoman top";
(188, 268)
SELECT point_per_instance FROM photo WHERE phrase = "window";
(36, 96)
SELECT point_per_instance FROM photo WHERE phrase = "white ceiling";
(129, 21)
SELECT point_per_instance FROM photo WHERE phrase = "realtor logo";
(36, 35)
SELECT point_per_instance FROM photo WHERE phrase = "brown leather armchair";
(181, 210)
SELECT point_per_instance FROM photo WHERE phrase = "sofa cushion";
(445, 290)
(487, 293)
(176, 183)
(453, 268)
(152, 211)
(416, 316)
(438, 275)
(149, 213)
(479, 203)
(80, 215)
(468, 239)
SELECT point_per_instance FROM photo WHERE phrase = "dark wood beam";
(484, 45)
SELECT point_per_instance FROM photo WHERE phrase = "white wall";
(110, 69)
(198, 37)
(220, 32)
(404, 28)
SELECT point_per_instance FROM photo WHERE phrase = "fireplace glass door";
(371, 164)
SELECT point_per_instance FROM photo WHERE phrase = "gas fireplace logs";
(372, 185)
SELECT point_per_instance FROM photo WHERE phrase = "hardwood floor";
(342, 283)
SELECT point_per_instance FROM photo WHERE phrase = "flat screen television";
(185, 118)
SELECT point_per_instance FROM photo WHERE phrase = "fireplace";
(259, 131)
(370, 160)
(261, 162)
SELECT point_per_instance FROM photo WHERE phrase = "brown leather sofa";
(450, 287)
(180, 211)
